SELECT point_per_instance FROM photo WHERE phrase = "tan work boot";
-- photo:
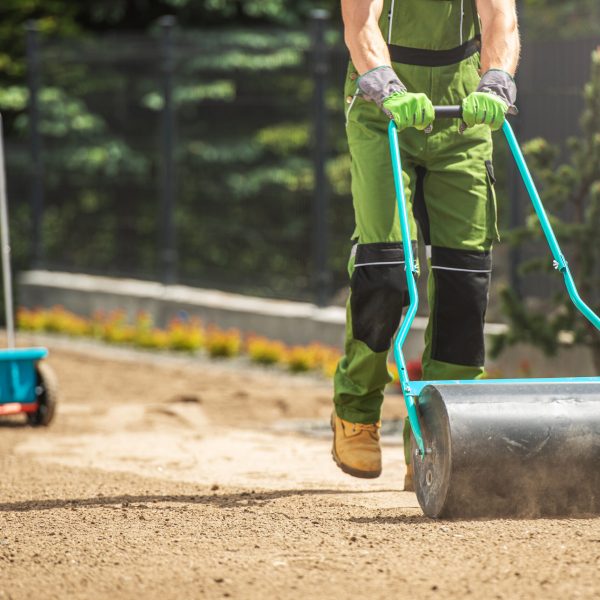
(356, 449)
(409, 485)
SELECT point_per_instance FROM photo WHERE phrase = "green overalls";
(448, 178)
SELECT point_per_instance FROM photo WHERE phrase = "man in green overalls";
(407, 56)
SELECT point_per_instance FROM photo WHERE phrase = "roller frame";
(411, 390)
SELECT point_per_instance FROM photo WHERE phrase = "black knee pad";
(379, 293)
(462, 281)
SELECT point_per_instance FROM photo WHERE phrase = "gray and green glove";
(382, 86)
(494, 98)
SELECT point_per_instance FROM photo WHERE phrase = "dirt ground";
(181, 478)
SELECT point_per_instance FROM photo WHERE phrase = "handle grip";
(448, 112)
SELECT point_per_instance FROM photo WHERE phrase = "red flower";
(415, 370)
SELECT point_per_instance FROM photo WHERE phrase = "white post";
(5, 243)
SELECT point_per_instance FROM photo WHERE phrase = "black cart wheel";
(47, 396)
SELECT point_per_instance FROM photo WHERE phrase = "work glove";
(494, 98)
(382, 86)
(409, 110)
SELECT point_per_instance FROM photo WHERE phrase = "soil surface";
(184, 478)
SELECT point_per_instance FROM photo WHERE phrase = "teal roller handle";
(560, 262)
(410, 392)
(410, 267)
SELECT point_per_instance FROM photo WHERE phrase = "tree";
(572, 190)
(242, 101)
(564, 19)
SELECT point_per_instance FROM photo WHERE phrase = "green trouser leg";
(360, 379)
(377, 279)
(449, 188)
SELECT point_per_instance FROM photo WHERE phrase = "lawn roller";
(505, 447)
(27, 385)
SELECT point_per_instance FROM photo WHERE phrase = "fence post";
(35, 144)
(168, 244)
(515, 217)
(514, 184)
(320, 68)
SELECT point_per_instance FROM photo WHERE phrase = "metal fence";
(217, 158)
(188, 157)
(551, 78)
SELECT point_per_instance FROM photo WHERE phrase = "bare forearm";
(500, 35)
(362, 34)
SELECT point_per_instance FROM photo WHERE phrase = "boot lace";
(371, 427)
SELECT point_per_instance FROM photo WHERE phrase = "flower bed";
(185, 334)
(182, 334)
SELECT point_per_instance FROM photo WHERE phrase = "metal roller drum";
(521, 449)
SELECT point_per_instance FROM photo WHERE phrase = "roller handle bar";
(448, 112)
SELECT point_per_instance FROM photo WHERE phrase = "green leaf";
(14, 97)
(283, 138)
(222, 90)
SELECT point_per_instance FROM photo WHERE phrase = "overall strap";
(411, 54)
(434, 58)
(476, 19)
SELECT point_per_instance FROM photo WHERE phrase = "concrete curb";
(290, 322)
